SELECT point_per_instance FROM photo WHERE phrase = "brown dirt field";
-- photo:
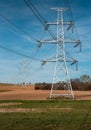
(28, 93)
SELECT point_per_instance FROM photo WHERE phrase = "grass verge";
(46, 115)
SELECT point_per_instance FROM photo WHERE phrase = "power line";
(12, 23)
(39, 17)
(15, 25)
(18, 53)
(70, 14)
(35, 11)
(10, 50)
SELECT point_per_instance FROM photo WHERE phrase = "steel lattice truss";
(61, 74)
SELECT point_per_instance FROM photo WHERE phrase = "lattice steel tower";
(61, 75)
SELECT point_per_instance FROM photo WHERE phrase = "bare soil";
(29, 93)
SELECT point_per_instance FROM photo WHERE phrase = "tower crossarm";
(72, 60)
(73, 41)
(68, 23)
(55, 41)
(47, 41)
(60, 22)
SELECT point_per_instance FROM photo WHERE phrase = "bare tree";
(85, 78)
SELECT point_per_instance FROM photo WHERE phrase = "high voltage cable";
(71, 15)
(18, 53)
(39, 17)
(32, 38)
(66, 3)
(10, 50)
(37, 14)
(12, 23)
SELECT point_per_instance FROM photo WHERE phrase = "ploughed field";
(17, 92)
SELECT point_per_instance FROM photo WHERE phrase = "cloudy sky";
(20, 29)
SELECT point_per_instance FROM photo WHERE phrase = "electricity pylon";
(61, 75)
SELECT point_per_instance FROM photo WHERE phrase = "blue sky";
(16, 68)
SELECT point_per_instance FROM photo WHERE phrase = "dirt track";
(28, 93)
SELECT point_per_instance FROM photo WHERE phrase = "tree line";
(83, 84)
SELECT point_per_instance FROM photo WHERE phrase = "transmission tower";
(61, 75)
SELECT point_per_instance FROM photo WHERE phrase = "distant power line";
(16, 26)
(18, 53)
